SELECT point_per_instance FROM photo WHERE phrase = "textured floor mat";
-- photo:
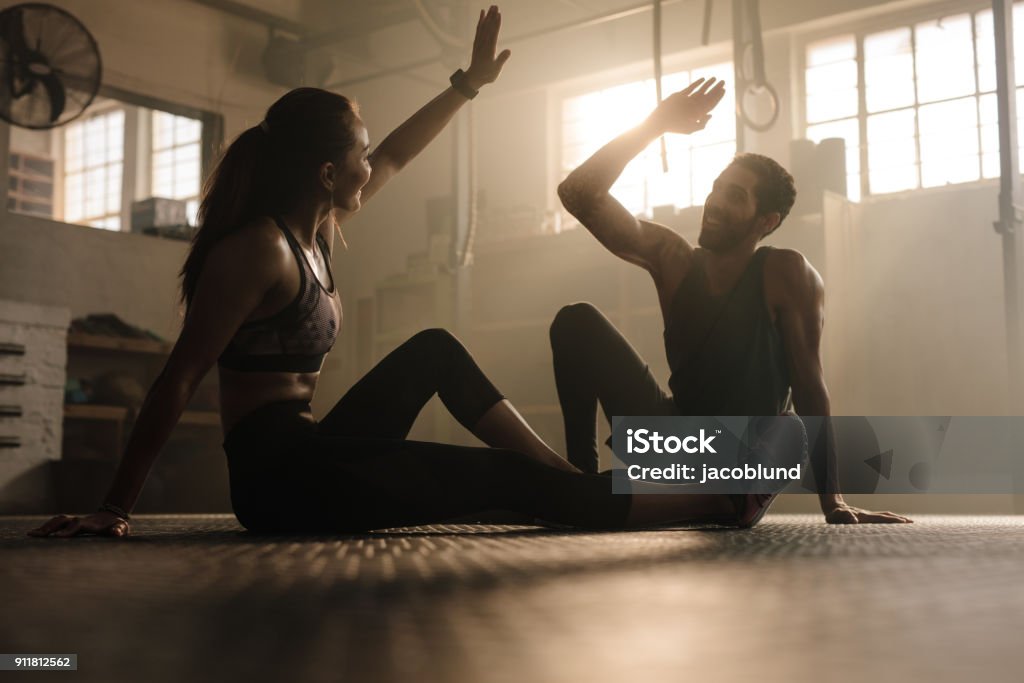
(198, 598)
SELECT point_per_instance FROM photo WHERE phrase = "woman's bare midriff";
(243, 392)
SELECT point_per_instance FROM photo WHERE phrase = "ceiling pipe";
(372, 23)
(595, 20)
(243, 11)
(309, 40)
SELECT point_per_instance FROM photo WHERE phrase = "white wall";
(916, 321)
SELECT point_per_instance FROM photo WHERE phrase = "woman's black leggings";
(355, 471)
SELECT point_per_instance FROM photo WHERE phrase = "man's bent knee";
(574, 320)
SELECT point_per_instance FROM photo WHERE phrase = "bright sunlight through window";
(694, 161)
(928, 112)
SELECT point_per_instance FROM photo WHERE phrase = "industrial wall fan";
(49, 66)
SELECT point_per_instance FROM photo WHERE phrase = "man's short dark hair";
(775, 190)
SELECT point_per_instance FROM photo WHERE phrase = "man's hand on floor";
(843, 513)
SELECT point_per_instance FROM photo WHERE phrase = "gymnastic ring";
(759, 127)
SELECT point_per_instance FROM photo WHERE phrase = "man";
(742, 325)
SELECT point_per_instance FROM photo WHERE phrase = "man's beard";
(725, 236)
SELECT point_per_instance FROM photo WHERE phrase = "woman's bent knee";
(437, 341)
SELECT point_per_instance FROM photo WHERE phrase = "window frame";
(135, 168)
(60, 182)
(877, 21)
(211, 139)
(149, 151)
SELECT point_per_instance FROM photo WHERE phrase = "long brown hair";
(269, 168)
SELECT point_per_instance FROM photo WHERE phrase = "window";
(93, 164)
(590, 120)
(927, 114)
(117, 153)
(176, 159)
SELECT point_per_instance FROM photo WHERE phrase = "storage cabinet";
(189, 475)
(32, 357)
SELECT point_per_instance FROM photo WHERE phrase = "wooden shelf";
(80, 340)
(87, 411)
(201, 418)
(91, 411)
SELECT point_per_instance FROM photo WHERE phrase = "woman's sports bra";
(296, 338)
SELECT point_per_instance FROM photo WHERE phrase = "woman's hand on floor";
(99, 523)
(843, 513)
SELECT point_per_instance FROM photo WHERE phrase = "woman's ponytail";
(269, 168)
(232, 195)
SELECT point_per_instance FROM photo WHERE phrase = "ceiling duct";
(290, 63)
(295, 55)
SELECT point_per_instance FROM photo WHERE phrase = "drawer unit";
(33, 355)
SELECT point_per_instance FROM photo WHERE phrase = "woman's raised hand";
(99, 523)
(484, 66)
(688, 110)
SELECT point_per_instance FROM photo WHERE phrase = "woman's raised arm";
(412, 136)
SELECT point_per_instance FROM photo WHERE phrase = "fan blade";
(12, 29)
(55, 89)
(49, 66)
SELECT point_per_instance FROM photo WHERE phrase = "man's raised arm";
(585, 192)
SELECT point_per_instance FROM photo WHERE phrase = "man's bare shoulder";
(790, 268)
(671, 247)
(788, 272)
(671, 256)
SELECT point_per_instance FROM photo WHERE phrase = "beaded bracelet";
(110, 507)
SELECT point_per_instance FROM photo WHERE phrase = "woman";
(261, 302)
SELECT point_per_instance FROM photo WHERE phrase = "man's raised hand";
(688, 110)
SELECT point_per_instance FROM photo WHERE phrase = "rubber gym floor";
(197, 598)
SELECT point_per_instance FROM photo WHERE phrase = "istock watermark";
(766, 454)
(646, 440)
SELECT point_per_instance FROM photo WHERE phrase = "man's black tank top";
(725, 354)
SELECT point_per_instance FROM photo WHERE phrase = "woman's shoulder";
(257, 242)
(257, 235)
(259, 230)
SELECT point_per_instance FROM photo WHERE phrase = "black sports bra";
(296, 338)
